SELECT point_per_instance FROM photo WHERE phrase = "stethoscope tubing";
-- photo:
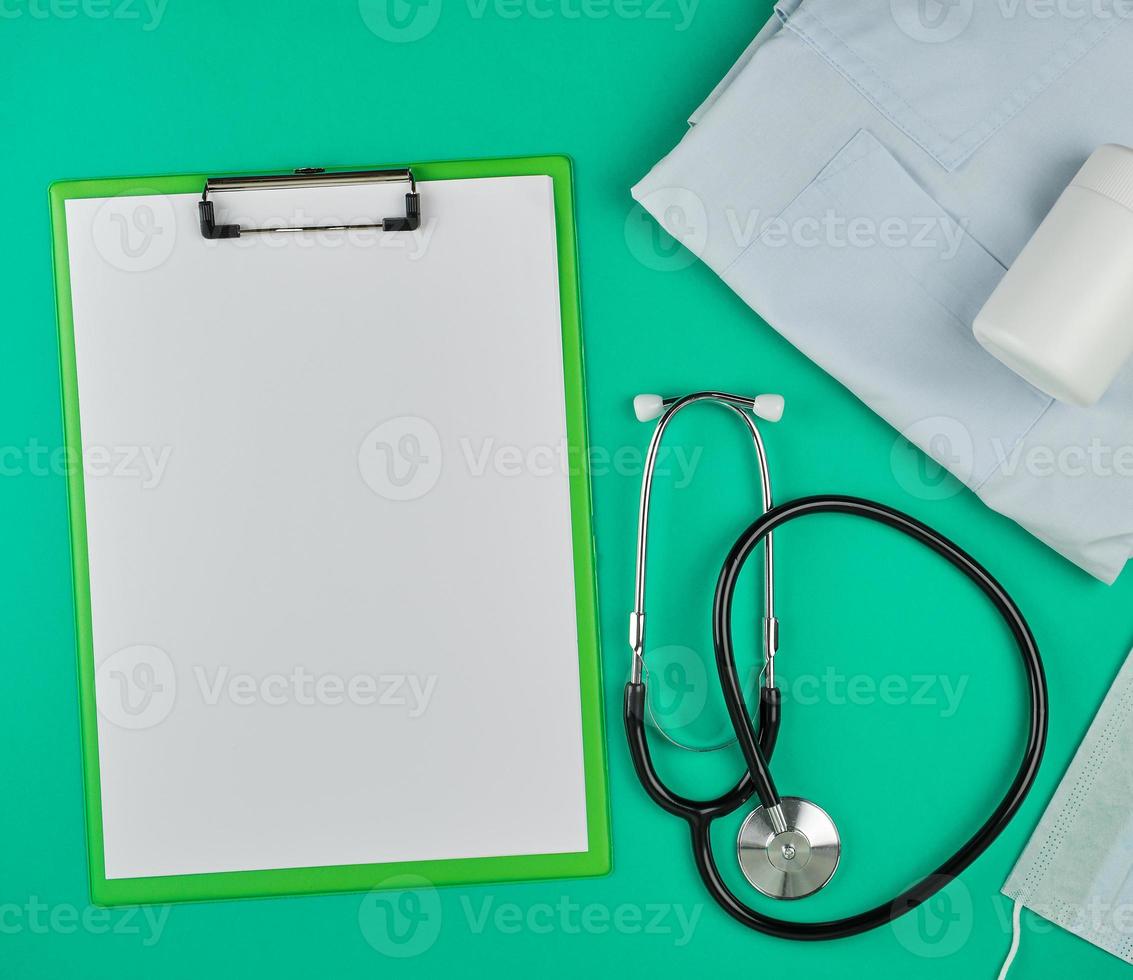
(757, 744)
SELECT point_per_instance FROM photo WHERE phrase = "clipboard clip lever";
(311, 177)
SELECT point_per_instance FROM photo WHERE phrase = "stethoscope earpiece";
(770, 408)
(648, 407)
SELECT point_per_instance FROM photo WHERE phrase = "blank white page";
(328, 518)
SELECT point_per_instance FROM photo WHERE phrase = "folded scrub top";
(863, 177)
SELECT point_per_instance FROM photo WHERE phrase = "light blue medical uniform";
(863, 177)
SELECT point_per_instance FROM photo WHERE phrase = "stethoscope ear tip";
(770, 408)
(648, 407)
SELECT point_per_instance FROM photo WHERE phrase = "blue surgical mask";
(1077, 869)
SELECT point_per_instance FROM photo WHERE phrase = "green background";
(906, 767)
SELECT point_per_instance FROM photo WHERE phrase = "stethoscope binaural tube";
(700, 816)
(768, 407)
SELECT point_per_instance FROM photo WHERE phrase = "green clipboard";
(597, 859)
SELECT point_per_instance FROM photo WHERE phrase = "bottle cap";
(1109, 172)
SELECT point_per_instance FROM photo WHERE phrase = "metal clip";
(770, 649)
(637, 644)
(310, 177)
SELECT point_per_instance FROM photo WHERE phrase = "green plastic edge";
(598, 859)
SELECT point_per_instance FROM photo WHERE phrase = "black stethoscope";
(788, 847)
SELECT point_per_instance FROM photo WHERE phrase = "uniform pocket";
(870, 278)
(950, 73)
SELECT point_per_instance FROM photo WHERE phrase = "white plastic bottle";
(1062, 317)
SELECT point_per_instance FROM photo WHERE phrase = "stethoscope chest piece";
(795, 863)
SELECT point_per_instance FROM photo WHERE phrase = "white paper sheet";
(329, 531)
